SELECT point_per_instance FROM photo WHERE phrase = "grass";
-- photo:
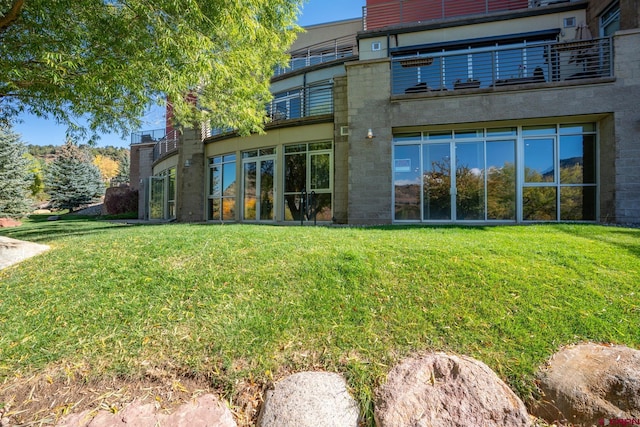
(242, 301)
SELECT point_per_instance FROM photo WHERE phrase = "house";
(428, 111)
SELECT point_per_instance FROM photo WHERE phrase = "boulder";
(309, 399)
(9, 222)
(588, 383)
(205, 411)
(439, 390)
(53, 218)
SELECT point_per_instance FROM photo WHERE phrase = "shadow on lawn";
(39, 229)
(606, 234)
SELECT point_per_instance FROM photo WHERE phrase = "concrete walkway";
(13, 251)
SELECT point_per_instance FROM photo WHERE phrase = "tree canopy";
(105, 60)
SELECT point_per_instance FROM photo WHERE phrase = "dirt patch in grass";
(44, 398)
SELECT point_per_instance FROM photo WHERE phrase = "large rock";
(587, 383)
(442, 390)
(309, 399)
(9, 222)
(205, 411)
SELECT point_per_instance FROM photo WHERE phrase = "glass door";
(436, 177)
(258, 189)
(156, 197)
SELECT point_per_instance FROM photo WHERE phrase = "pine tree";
(123, 168)
(15, 177)
(72, 180)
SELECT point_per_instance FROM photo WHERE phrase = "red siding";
(381, 13)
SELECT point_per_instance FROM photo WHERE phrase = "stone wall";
(341, 151)
(190, 178)
(369, 159)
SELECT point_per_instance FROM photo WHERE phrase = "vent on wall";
(376, 46)
(570, 22)
(344, 130)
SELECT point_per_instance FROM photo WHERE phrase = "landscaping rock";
(205, 411)
(310, 399)
(53, 218)
(13, 251)
(439, 390)
(587, 383)
(9, 222)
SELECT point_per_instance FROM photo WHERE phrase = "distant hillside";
(47, 152)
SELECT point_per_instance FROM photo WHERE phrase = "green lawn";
(238, 301)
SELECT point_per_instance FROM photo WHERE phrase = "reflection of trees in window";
(501, 192)
(308, 169)
(266, 189)
(437, 187)
(539, 203)
(222, 188)
(469, 193)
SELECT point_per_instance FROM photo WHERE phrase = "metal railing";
(502, 66)
(164, 142)
(313, 100)
(147, 136)
(412, 11)
(308, 101)
(320, 53)
(166, 145)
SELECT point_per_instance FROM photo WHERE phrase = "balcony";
(312, 100)
(320, 53)
(298, 103)
(164, 143)
(379, 14)
(510, 65)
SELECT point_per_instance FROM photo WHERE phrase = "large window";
(308, 185)
(610, 20)
(533, 173)
(258, 184)
(222, 188)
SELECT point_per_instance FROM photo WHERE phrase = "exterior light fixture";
(187, 163)
(370, 134)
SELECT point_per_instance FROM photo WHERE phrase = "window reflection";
(539, 160)
(470, 181)
(436, 182)
(406, 178)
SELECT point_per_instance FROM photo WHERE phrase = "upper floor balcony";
(504, 65)
(319, 53)
(312, 100)
(164, 143)
(383, 13)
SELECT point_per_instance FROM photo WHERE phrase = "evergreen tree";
(72, 180)
(124, 167)
(15, 177)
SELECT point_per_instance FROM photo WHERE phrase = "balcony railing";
(164, 142)
(412, 11)
(502, 66)
(313, 100)
(308, 101)
(320, 53)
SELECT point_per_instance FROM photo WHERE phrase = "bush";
(119, 200)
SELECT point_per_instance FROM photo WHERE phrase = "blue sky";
(38, 131)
